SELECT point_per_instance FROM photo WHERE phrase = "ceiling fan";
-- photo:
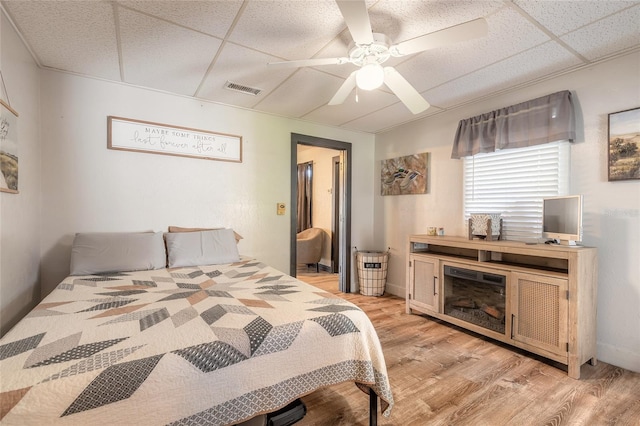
(370, 50)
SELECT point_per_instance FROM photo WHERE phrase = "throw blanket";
(214, 344)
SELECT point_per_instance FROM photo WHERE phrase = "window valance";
(545, 119)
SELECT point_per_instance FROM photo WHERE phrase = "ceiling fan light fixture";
(370, 76)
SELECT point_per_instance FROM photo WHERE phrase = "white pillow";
(94, 253)
(181, 229)
(201, 248)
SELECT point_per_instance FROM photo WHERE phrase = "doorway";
(342, 197)
(335, 214)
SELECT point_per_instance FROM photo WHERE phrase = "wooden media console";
(537, 297)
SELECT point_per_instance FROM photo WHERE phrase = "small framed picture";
(624, 145)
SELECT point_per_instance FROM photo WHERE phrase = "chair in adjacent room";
(309, 246)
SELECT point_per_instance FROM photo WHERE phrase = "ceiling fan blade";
(405, 91)
(356, 16)
(310, 62)
(344, 90)
(462, 32)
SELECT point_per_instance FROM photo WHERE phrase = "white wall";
(20, 213)
(87, 187)
(611, 209)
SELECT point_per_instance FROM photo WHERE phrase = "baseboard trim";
(619, 357)
(396, 290)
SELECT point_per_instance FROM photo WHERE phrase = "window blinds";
(513, 182)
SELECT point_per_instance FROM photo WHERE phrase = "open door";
(344, 203)
(335, 215)
(343, 256)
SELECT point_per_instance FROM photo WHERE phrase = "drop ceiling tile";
(404, 20)
(386, 118)
(437, 66)
(304, 91)
(368, 102)
(246, 67)
(607, 36)
(72, 36)
(564, 16)
(533, 64)
(288, 29)
(210, 17)
(169, 45)
(164, 56)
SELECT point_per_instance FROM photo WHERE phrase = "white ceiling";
(193, 47)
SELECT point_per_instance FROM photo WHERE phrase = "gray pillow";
(94, 253)
(201, 248)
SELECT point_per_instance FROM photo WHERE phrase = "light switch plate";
(281, 208)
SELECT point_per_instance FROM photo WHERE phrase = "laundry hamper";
(372, 272)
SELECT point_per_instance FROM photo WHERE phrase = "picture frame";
(623, 145)
(404, 175)
(127, 134)
(8, 148)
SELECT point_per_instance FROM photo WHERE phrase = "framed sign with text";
(144, 136)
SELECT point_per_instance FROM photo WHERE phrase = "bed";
(212, 343)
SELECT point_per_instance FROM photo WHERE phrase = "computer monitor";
(562, 219)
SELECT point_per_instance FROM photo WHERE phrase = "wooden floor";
(444, 375)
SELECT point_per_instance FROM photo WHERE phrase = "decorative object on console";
(404, 175)
(624, 136)
(485, 225)
(144, 136)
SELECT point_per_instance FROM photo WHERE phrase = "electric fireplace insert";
(476, 297)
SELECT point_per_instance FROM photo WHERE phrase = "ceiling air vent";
(241, 88)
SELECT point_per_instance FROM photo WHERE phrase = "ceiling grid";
(193, 48)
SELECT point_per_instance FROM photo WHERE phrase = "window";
(513, 182)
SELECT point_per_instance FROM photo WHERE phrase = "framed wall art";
(624, 145)
(144, 136)
(404, 175)
(8, 148)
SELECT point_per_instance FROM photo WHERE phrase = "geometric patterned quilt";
(208, 345)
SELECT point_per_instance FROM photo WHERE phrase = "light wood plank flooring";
(443, 375)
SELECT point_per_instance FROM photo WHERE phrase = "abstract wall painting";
(404, 175)
(8, 148)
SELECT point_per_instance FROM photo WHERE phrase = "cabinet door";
(424, 284)
(539, 311)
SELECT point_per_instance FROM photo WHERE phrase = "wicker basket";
(372, 272)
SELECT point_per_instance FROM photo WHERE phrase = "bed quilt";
(210, 345)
